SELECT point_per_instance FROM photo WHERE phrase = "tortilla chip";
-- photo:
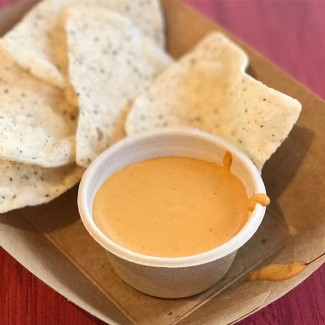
(36, 124)
(27, 185)
(32, 42)
(208, 89)
(110, 61)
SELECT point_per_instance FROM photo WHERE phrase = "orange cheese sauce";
(172, 206)
(277, 272)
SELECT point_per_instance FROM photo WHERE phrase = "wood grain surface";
(292, 35)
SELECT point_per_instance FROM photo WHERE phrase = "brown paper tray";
(51, 242)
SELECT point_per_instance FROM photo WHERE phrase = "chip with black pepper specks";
(110, 62)
(37, 126)
(34, 45)
(27, 185)
(209, 89)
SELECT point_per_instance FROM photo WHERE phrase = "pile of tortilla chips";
(78, 75)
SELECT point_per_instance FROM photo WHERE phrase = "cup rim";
(231, 246)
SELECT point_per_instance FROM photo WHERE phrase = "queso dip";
(173, 206)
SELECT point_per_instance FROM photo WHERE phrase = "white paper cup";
(180, 276)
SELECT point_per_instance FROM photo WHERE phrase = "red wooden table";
(292, 35)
